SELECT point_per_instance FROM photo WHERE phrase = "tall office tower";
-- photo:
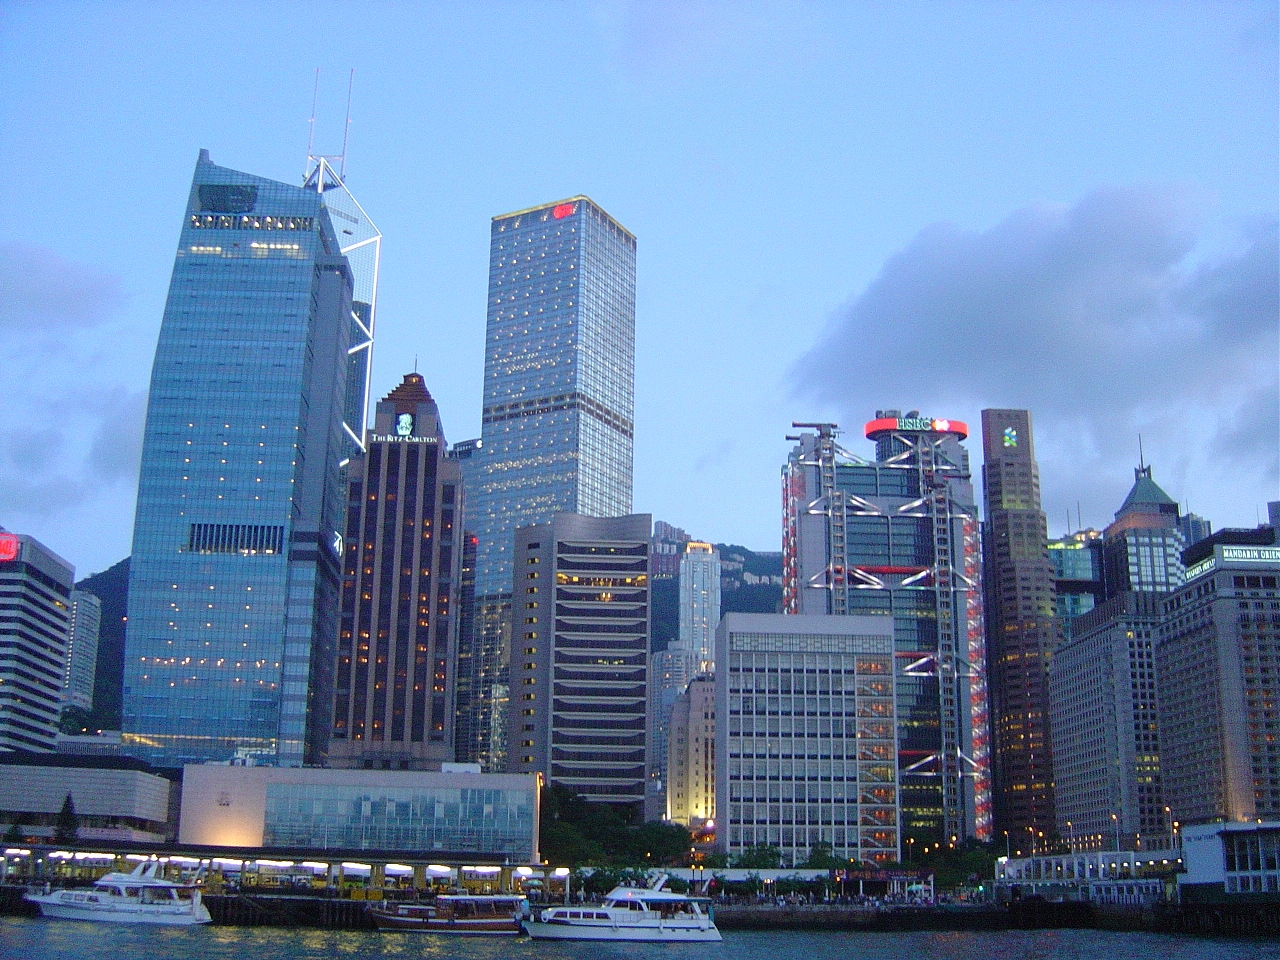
(1076, 559)
(805, 749)
(397, 638)
(82, 650)
(700, 602)
(1193, 528)
(234, 579)
(1142, 549)
(690, 771)
(577, 706)
(666, 550)
(1022, 624)
(558, 389)
(1103, 705)
(1216, 653)
(898, 537)
(35, 617)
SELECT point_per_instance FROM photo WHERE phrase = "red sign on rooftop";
(9, 546)
(563, 210)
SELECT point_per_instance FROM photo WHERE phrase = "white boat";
(630, 913)
(137, 897)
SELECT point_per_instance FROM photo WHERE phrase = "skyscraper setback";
(557, 416)
(258, 373)
(1023, 629)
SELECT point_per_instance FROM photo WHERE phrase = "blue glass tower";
(233, 587)
(559, 377)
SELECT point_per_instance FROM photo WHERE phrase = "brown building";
(1022, 626)
(397, 640)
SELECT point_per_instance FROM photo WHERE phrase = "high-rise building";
(806, 725)
(397, 638)
(1142, 548)
(557, 418)
(35, 617)
(1103, 705)
(578, 674)
(1217, 647)
(233, 585)
(1022, 624)
(82, 650)
(1076, 559)
(700, 602)
(898, 537)
(1193, 528)
(690, 771)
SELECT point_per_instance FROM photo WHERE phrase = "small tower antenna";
(311, 125)
(346, 130)
(1142, 463)
(1079, 516)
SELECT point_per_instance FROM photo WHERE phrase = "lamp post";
(1070, 847)
(1006, 844)
(1116, 820)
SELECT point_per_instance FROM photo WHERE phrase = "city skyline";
(953, 187)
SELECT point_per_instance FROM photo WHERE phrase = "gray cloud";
(1092, 316)
(41, 289)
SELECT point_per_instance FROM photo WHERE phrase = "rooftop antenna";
(1142, 463)
(346, 130)
(415, 363)
(311, 125)
(1079, 516)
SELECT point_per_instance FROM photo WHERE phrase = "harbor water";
(38, 939)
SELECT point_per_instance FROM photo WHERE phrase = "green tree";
(759, 857)
(67, 825)
(14, 834)
(821, 857)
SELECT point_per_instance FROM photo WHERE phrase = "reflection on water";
(32, 939)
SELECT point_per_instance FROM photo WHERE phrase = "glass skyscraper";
(233, 589)
(557, 420)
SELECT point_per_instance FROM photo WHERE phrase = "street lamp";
(1070, 847)
(1006, 845)
(1116, 820)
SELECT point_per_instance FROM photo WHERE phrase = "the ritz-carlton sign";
(392, 438)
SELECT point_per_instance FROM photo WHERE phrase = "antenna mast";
(311, 126)
(346, 130)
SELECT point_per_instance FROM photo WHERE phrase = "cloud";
(1099, 319)
(40, 289)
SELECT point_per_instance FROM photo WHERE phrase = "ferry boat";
(137, 897)
(455, 913)
(630, 913)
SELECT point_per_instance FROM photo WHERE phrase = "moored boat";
(137, 897)
(630, 913)
(455, 913)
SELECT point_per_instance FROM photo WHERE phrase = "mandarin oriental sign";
(1267, 555)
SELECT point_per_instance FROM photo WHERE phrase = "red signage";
(916, 425)
(9, 546)
(563, 210)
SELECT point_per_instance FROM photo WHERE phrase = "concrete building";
(581, 651)
(1142, 548)
(1231, 863)
(806, 735)
(1103, 702)
(1217, 650)
(899, 537)
(557, 432)
(1022, 625)
(82, 650)
(447, 815)
(397, 640)
(115, 798)
(35, 620)
(691, 757)
(257, 396)
(1076, 559)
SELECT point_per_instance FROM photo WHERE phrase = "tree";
(821, 858)
(759, 857)
(67, 825)
(14, 834)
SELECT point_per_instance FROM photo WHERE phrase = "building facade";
(35, 620)
(82, 650)
(1103, 712)
(557, 420)
(234, 579)
(1142, 548)
(805, 747)
(700, 602)
(691, 759)
(1217, 647)
(397, 639)
(1022, 625)
(1076, 559)
(579, 668)
(899, 537)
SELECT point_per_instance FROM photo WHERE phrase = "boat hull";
(482, 928)
(51, 907)
(655, 933)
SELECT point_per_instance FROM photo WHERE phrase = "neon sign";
(1010, 437)
(9, 546)
(916, 424)
(563, 210)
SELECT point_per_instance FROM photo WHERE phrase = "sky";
(840, 208)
